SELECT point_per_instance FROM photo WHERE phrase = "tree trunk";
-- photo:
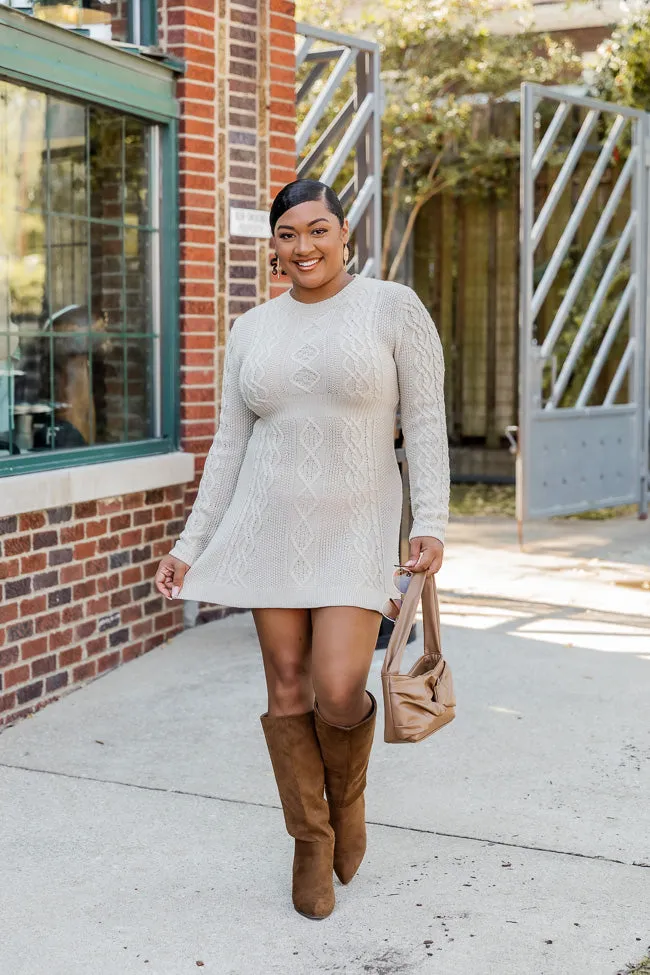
(392, 214)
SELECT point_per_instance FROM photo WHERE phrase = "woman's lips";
(311, 266)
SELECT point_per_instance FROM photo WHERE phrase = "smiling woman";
(312, 241)
(298, 513)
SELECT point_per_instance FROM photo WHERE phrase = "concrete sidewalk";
(142, 830)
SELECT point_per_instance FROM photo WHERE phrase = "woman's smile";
(308, 265)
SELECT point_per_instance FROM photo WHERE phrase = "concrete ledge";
(51, 489)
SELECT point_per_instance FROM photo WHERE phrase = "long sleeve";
(420, 372)
(223, 462)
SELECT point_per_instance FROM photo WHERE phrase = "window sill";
(52, 489)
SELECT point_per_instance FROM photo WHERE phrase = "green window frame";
(143, 22)
(44, 57)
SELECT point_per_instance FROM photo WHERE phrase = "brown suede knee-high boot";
(346, 752)
(298, 767)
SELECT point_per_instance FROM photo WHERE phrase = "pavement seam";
(370, 822)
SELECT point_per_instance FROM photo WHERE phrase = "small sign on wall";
(249, 223)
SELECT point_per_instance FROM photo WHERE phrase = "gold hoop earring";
(346, 254)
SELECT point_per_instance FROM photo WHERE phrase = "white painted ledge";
(51, 489)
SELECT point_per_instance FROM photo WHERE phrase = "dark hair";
(300, 191)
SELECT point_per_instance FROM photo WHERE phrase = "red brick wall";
(282, 102)
(77, 598)
(76, 595)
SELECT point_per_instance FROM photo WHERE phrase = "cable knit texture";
(301, 497)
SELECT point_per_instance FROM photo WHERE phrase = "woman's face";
(309, 242)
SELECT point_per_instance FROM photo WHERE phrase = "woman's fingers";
(435, 564)
(426, 555)
(415, 555)
(180, 568)
(169, 577)
(163, 580)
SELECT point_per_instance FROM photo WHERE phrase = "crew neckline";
(325, 303)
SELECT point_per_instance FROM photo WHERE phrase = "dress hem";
(305, 599)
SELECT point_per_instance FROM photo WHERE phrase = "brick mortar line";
(82, 521)
(64, 625)
(235, 60)
(184, 28)
(195, 135)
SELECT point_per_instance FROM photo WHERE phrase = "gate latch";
(511, 434)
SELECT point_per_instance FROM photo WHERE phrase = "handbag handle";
(422, 587)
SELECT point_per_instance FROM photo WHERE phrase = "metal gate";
(583, 396)
(335, 60)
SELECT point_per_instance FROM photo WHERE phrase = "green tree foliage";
(622, 71)
(440, 65)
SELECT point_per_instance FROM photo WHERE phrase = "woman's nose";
(303, 245)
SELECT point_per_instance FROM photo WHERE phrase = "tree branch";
(433, 190)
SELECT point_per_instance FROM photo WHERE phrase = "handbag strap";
(419, 587)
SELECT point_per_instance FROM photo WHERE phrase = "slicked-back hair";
(301, 191)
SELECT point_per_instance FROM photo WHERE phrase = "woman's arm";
(420, 372)
(223, 462)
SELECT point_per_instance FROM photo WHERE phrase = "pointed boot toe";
(349, 825)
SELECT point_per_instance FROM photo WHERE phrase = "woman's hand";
(170, 575)
(425, 554)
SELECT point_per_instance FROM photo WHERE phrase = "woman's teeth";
(307, 264)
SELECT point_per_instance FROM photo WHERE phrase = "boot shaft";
(299, 773)
(346, 753)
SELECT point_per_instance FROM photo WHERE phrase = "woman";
(298, 513)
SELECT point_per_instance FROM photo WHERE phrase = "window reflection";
(77, 334)
(68, 171)
(103, 21)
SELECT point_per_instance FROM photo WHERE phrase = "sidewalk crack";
(370, 822)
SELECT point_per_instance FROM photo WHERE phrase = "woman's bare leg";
(289, 729)
(285, 641)
(343, 641)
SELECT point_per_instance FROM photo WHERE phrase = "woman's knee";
(285, 641)
(341, 704)
(287, 675)
(289, 686)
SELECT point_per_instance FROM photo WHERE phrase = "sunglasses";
(401, 578)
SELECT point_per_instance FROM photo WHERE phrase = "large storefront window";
(120, 21)
(79, 275)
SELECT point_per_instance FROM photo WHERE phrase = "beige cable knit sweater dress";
(300, 500)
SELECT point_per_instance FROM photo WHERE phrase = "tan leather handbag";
(420, 702)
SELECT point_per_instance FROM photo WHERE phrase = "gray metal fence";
(583, 397)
